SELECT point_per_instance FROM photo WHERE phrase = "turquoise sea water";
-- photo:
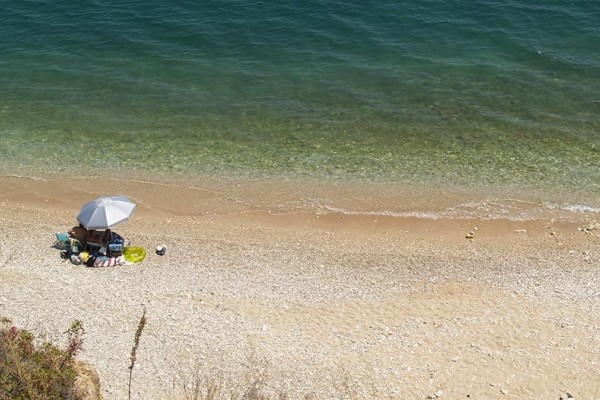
(483, 93)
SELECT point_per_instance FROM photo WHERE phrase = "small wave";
(31, 178)
(578, 208)
(396, 214)
(489, 209)
(484, 210)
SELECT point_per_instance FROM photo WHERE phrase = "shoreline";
(158, 201)
(213, 195)
(408, 304)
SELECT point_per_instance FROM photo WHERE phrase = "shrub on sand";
(29, 371)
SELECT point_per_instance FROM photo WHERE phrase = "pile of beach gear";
(93, 243)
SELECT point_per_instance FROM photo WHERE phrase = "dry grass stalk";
(136, 344)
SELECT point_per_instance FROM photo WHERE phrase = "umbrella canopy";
(105, 212)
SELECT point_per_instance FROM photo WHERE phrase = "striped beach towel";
(104, 261)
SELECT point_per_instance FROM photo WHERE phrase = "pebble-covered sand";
(321, 306)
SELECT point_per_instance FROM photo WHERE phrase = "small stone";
(455, 359)
(470, 235)
(503, 391)
(438, 393)
(87, 382)
(521, 231)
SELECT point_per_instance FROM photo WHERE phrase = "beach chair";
(62, 241)
(67, 245)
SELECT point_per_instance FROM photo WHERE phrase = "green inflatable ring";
(134, 254)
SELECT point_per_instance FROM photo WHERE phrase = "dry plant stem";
(136, 344)
(75, 341)
(195, 393)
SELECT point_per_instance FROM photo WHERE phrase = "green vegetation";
(30, 372)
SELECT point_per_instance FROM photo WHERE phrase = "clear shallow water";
(474, 94)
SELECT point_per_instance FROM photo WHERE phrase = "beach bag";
(91, 260)
(75, 246)
(115, 245)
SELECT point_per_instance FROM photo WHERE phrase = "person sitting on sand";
(98, 238)
(79, 233)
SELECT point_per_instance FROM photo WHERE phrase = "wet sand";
(334, 303)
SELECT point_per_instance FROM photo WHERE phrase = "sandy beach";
(323, 304)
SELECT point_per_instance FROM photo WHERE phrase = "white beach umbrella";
(105, 212)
